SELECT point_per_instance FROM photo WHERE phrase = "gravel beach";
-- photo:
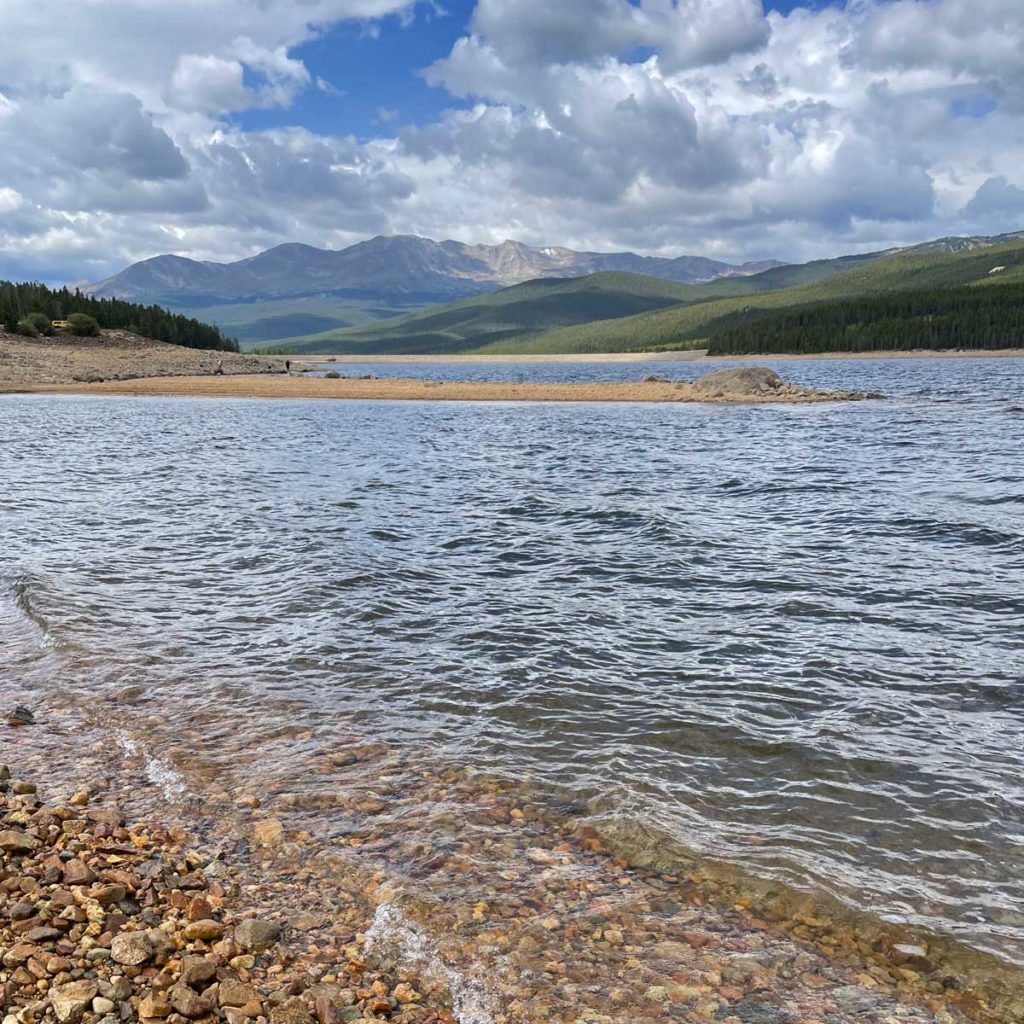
(237, 914)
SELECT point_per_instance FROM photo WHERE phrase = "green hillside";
(942, 318)
(258, 322)
(522, 310)
(683, 326)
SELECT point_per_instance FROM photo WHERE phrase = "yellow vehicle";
(58, 323)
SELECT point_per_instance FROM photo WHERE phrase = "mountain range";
(386, 265)
(617, 312)
(296, 293)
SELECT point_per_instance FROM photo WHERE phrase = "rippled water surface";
(791, 637)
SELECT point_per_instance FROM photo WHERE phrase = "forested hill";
(948, 318)
(523, 309)
(961, 284)
(19, 300)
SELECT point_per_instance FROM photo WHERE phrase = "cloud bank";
(662, 126)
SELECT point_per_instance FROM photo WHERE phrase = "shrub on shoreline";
(83, 325)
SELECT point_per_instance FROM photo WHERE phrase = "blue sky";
(376, 70)
(735, 129)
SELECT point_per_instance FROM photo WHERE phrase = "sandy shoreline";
(123, 363)
(381, 389)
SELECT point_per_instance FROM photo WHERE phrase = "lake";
(785, 638)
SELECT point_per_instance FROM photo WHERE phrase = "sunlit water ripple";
(791, 637)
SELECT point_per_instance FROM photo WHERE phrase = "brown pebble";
(205, 931)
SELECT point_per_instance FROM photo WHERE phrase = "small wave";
(23, 601)
(393, 932)
(158, 771)
(21, 591)
(954, 533)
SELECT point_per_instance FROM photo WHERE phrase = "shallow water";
(789, 637)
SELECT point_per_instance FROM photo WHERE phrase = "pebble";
(70, 1001)
(17, 842)
(131, 948)
(205, 931)
(256, 936)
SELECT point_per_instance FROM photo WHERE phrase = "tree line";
(28, 306)
(988, 317)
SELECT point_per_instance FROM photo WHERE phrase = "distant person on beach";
(287, 366)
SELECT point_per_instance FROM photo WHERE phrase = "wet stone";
(750, 1012)
(854, 1000)
(256, 936)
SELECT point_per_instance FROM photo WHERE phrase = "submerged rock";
(19, 715)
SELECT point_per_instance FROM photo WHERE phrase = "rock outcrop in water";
(759, 384)
(744, 380)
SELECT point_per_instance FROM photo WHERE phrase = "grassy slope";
(547, 304)
(269, 321)
(524, 309)
(680, 326)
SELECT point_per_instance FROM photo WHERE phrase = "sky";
(735, 129)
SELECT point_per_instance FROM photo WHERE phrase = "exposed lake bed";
(785, 637)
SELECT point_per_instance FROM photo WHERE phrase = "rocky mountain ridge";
(388, 265)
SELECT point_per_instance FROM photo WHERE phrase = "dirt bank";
(115, 355)
(280, 386)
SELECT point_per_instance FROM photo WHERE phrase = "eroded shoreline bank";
(27, 363)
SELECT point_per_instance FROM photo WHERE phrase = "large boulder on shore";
(744, 380)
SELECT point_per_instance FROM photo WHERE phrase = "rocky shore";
(100, 922)
(28, 363)
(746, 385)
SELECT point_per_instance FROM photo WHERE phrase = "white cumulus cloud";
(658, 125)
